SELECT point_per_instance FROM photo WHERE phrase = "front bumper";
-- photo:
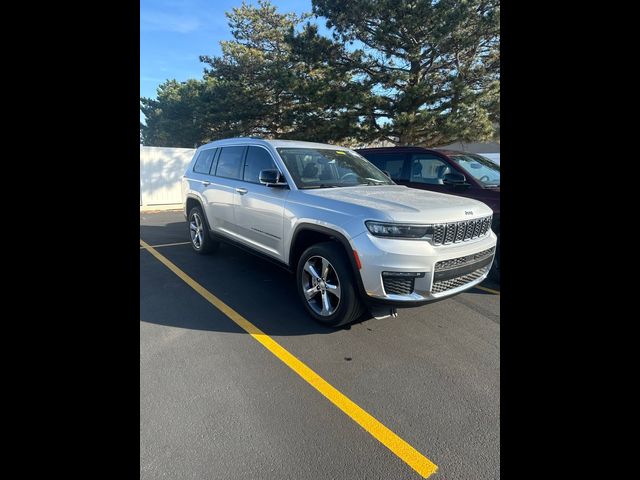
(469, 265)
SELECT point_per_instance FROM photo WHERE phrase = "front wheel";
(326, 285)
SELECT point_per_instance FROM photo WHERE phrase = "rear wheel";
(201, 242)
(326, 285)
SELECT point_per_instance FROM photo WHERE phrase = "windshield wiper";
(322, 185)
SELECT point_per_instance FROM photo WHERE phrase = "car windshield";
(325, 168)
(482, 169)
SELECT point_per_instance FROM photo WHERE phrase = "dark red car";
(446, 171)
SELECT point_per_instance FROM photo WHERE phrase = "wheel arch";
(307, 234)
(191, 201)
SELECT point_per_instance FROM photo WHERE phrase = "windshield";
(482, 169)
(324, 168)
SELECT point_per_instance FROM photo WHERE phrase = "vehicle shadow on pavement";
(262, 292)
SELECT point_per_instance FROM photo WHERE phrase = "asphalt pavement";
(216, 404)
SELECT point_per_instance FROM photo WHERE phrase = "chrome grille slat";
(438, 233)
(469, 232)
(460, 231)
(487, 225)
(476, 228)
(447, 233)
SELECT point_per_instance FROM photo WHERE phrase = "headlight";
(399, 230)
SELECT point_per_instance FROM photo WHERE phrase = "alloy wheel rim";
(196, 229)
(321, 286)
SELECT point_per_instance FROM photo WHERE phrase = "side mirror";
(386, 173)
(455, 179)
(272, 178)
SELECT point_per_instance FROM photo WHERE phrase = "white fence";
(160, 173)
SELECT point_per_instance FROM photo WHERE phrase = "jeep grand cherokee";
(353, 238)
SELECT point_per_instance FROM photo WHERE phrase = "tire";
(344, 305)
(198, 227)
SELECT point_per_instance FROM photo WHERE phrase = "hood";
(403, 204)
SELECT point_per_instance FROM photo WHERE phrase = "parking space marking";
(496, 292)
(370, 424)
(164, 245)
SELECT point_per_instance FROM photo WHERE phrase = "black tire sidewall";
(349, 301)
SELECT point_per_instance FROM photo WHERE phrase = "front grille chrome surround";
(445, 285)
(448, 233)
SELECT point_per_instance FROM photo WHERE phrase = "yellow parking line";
(488, 290)
(393, 442)
(164, 245)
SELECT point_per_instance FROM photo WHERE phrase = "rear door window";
(230, 162)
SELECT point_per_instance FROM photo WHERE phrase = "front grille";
(398, 285)
(461, 261)
(446, 233)
(456, 282)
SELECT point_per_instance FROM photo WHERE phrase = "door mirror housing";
(455, 179)
(272, 178)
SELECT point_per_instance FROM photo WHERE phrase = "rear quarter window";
(204, 161)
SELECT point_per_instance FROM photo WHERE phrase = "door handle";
(206, 184)
(242, 191)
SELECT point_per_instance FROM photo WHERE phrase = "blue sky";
(174, 33)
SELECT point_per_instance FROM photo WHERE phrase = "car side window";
(204, 161)
(392, 163)
(257, 159)
(428, 169)
(230, 162)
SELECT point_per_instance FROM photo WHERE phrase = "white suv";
(353, 237)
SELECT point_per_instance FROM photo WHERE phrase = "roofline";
(274, 143)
